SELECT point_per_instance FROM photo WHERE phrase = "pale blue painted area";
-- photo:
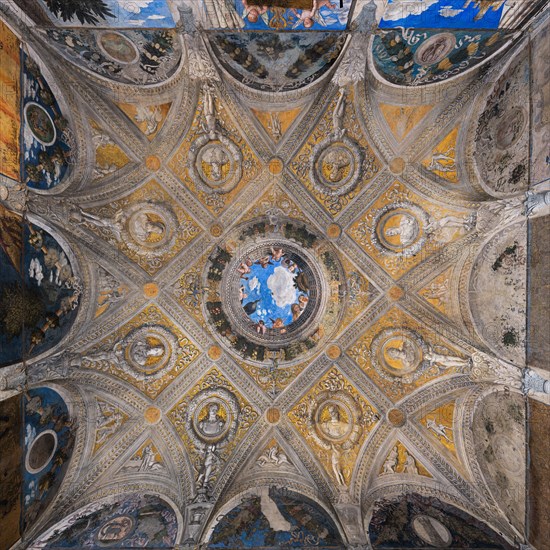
(138, 14)
(270, 292)
(439, 14)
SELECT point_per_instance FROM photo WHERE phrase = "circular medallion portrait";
(212, 417)
(334, 421)
(115, 530)
(398, 353)
(399, 229)
(215, 163)
(432, 531)
(118, 47)
(336, 166)
(40, 123)
(211, 421)
(507, 454)
(150, 351)
(435, 49)
(41, 451)
(269, 289)
(150, 227)
(510, 128)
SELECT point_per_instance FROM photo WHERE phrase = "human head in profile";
(213, 423)
(145, 228)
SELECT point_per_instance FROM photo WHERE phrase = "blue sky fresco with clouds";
(439, 14)
(132, 14)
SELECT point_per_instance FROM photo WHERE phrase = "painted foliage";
(277, 61)
(128, 57)
(440, 14)
(276, 519)
(10, 98)
(10, 470)
(410, 57)
(135, 521)
(277, 14)
(49, 441)
(39, 292)
(46, 134)
(110, 13)
(414, 521)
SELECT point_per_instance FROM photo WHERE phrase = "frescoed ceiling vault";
(272, 275)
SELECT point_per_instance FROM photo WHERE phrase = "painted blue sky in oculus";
(270, 292)
(441, 14)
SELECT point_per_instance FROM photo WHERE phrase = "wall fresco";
(11, 480)
(502, 134)
(278, 518)
(410, 57)
(49, 439)
(135, 521)
(401, 461)
(414, 521)
(500, 270)
(109, 157)
(47, 139)
(110, 13)
(277, 61)
(499, 432)
(402, 119)
(442, 160)
(39, 292)
(441, 14)
(10, 98)
(128, 57)
(540, 112)
(148, 118)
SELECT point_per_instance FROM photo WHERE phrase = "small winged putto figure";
(308, 18)
(253, 12)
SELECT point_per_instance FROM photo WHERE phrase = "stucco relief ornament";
(335, 166)
(212, 421)
(488, 369)
(402, 356)
(335, 423)
(199, 64)
(146, 228)
(146, 353)
(399, 229)
(215, 162)
(351, 69)
(492, 215)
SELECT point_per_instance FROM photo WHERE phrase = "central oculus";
(274, 289)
